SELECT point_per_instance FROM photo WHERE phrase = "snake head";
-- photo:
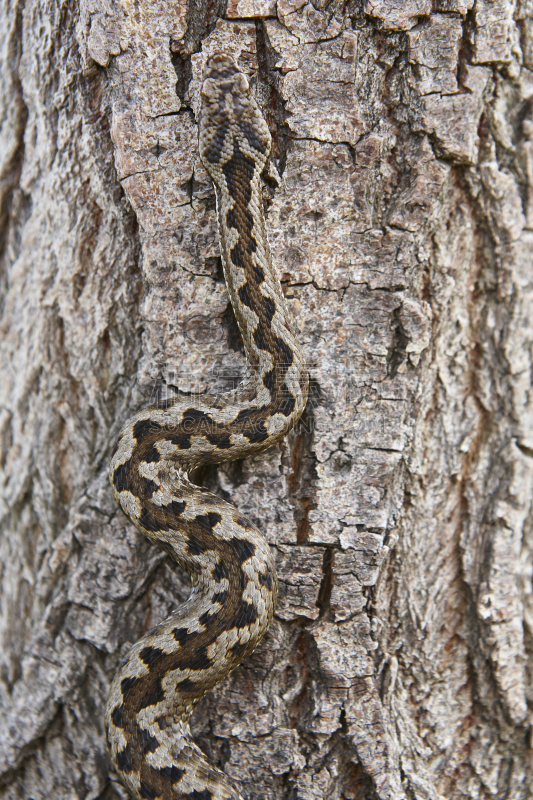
(230, 118)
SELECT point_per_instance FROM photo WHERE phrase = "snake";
(230, 564)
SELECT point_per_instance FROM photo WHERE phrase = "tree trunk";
(400, 211)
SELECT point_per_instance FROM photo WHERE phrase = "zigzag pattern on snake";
(232, 571)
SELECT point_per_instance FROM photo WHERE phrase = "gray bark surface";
(400, 212)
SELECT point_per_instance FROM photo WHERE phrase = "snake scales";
(232, 571)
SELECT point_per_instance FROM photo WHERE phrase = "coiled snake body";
(232, 571)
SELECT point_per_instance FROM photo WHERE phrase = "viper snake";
(231, 567)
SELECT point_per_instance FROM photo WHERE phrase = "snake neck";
(234, 147)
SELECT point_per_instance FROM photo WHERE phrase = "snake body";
(232, 571)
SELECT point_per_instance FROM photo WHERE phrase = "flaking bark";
(400, 211)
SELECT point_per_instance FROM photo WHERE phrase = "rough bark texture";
(400, 209)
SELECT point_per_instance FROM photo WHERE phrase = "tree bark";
(400, 211)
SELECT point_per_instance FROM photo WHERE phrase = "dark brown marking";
(207, 618)
(120, 477)
(262, 146)
(239, 648)
(246, 217)
(243, 548)
(220, 440)
(124, 759)
(147, 742)
(118, 716)
(259, 337)
(172, 774)
(285, 351)
(193, 415)
(251, 422)
(216, 143)
(152, 455)
(151, 656)
(231, 218)
(149, 522)
(208, 521)
(247, 414)
(176, 507)
(188, 686)
(126, 685)
(220, 597)
(251, 244)
(244, 295)
(199, 660)
(247, 616)
(205, 794)
(182, 440)
(287, 404)
(265, 580)
(180, 635)
(268, 380)
(257, 435)
(239, 172)
(220, 572)
(147, 791)
(154, 694)
(238, 256)
(195, 546)
(144, 427)
(148, 487)
(270, 309)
